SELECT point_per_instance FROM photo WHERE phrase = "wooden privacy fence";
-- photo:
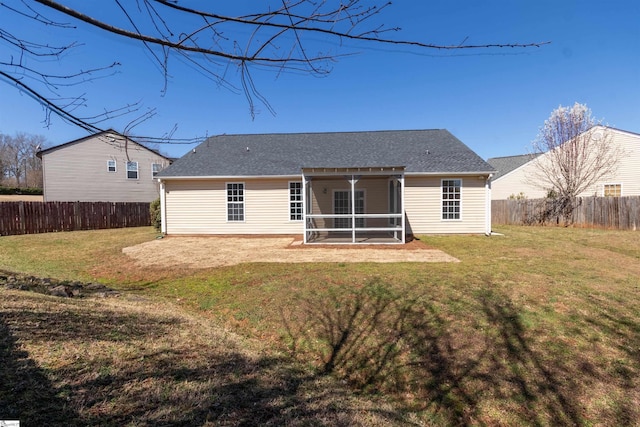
(599, 212)
(45, 217)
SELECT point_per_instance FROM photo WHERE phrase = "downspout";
(44, 181)
(487, 187)
(163, 208)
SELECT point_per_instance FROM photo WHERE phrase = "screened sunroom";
(353, 205)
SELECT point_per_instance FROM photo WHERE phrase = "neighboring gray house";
(343, 187)
(516, 173)
(105, 167)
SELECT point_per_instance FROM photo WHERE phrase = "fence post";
(21, 218)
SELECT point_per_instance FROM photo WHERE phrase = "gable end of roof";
(419, 151)
(106, 133)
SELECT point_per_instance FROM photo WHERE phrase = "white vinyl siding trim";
(235, 201)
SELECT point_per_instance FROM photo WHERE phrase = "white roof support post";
(354, 179)
(402, 218)
(353, 209)
(306, 181)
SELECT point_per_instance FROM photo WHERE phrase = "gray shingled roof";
(507, 164)
(431, 151)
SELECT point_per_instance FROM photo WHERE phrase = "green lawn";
(540, 326)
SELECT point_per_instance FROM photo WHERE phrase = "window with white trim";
(155, 169)
(612, 190)
(111, 165)
(132, 170)
(451, 197)
(295, 201)
(235, 201)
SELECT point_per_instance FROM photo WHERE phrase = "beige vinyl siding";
(78, 172)
(423, 206)
(516, 182)
(627, 174)
(200, 207)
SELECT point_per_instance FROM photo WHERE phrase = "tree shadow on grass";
(151, 373)
(616, 322)
(477, 366)
(545, 386)
(423, 356)
(69, 325)
(26, 393)
(381, 340)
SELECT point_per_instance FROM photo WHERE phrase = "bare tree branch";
(575, 152)
(211, 43)
(163, 42)
(35, 15)
(53, 81)
(51, 106)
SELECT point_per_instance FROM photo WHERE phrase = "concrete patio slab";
(208, 252)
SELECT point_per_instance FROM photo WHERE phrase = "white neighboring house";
(105, 167)
(515, 172)
(335, 187)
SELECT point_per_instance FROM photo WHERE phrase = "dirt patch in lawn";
(208, 252)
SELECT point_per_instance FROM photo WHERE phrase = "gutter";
(488, 174)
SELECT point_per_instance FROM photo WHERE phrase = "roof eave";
(188, 177)
(469, 173)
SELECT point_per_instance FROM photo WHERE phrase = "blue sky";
(493, 100)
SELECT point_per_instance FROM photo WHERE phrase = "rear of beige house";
(199, 206)
(109, 167)
(334, 187)
(106, 167)
(624, 182)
